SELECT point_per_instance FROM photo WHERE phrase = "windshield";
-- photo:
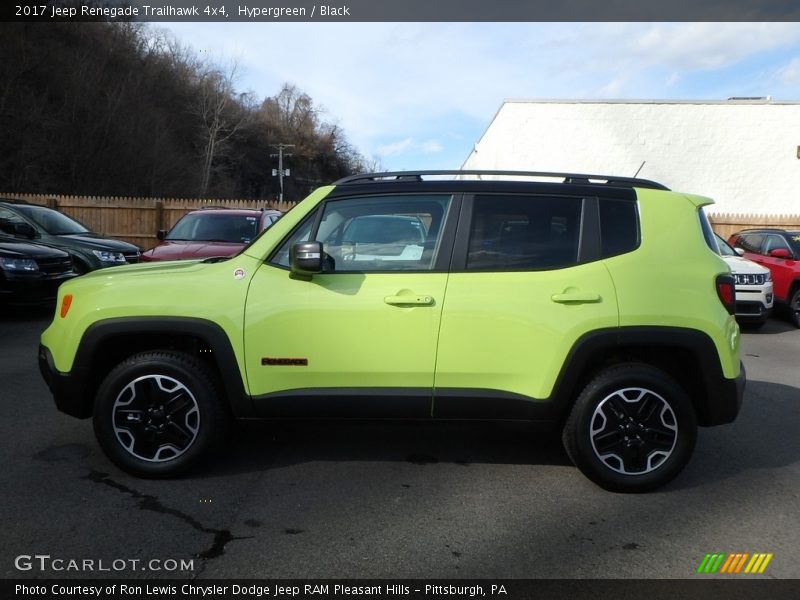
(208, 227)
(52, 221)
(724, 248)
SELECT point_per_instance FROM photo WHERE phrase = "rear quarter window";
(619, 227)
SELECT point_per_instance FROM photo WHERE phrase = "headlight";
(768, 276)
(109, 257)
(25, 265)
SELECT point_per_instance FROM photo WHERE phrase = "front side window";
(383, 233)
(8, 219)
(521, 233)
(376, 233)
(776, 242)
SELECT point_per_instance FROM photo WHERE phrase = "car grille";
(54, 266)
(748, 279)
(131, 257)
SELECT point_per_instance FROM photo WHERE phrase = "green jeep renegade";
(592, 304)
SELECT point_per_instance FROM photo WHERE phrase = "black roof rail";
(570, 178)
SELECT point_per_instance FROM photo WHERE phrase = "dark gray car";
(46, 226)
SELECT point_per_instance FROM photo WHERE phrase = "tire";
(158, 413)
(794, 308)
(632, 429)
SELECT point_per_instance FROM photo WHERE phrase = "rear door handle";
(409, 300)
(575, 297)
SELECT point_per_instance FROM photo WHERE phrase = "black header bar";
(273, 11)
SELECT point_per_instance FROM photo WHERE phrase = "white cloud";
(395, 148)
(407, 145)
(431, 147)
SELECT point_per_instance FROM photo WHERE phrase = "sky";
(420, 95)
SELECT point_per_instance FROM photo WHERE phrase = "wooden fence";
(725, 224)
(135, 220)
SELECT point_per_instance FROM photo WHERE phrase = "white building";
(744, 153)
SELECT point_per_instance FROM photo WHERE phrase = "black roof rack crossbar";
(573, 178)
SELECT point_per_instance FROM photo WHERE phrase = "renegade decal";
(284, 362)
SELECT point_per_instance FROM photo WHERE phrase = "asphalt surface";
(393, 500)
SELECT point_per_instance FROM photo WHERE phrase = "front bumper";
(754, 303)
(67, 388)
(31, 290)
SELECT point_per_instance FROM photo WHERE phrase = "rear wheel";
(632, 429)
(157, 413)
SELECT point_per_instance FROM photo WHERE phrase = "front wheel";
(157, 413)
(794, 308)
(632, 429)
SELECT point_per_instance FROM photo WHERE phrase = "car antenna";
(641, 166)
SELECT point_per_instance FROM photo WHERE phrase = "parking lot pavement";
(395, 500)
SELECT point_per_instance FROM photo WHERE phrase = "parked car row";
(41, 247)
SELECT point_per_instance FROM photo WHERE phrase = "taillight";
(727, 292)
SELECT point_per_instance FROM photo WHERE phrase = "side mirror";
(739, 251)
(162, 233)
(779, 253)
(24, 230)
(306, 258)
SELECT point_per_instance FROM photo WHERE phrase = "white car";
(753, 286)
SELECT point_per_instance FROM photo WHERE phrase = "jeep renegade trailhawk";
(594, 304)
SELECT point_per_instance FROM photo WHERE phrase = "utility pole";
(280, 172)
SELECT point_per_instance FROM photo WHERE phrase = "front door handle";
(575, 297)
(409, 300)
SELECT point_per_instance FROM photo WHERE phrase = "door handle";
(409, 300)
(575, 297)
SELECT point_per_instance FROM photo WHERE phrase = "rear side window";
(521, 233)
(619, 227)
(750, 242)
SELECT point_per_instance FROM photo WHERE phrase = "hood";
(742, 266)
(180, 250)
(16, 249)
(95, 242)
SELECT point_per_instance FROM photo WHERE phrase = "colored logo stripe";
(721, 562)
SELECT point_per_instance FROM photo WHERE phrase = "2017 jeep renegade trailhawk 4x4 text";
(594, 304)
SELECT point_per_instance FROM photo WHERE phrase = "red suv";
(779, 251)
(211, 232)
